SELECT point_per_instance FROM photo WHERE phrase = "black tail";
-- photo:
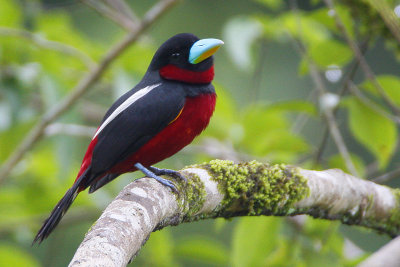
(58, 212)
(61, 208)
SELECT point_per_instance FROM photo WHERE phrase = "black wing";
(136, 125)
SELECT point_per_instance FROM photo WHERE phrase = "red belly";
(191, 122)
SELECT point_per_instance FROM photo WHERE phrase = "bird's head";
(185, 58)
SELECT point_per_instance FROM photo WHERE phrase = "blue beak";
(203, 49)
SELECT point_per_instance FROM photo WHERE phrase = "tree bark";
(224, 189)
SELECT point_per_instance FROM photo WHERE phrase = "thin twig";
(69, 129)
(254, 91)
(106, 11)
(387, 176)
(328, 112)
(83, 86)
(345, 84)
(40, 41)
(321, 90)
(123, 7)
(369, 74)
(338, 139)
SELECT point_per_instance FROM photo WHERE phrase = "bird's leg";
(168, 172)
(149, 173)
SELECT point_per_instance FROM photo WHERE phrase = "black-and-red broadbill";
(170, 106)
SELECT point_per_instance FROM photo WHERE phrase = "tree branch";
(82, 87)
(69, 129)
(115, 15)
(387, 256)
(122, 7)
(224, 189)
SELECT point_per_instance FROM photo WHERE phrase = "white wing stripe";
(132, 99)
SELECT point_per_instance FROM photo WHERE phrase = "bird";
(164, 112)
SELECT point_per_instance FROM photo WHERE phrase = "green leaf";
(322, 15)
(14, 256)
(267, 133)
(296, 26)
(389, 83)
(330, 52)
(254, 239)
(376, 132)
(10, 14)
(306, 29)
(203, 249)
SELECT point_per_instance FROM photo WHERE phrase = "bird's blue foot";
(153, 172)
(168, 172)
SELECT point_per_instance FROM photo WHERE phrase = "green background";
(267, 110)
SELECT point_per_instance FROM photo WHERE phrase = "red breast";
(193, 119)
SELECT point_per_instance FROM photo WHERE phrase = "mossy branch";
(224, 189)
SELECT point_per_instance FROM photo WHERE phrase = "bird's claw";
(168, 172)
(154, 173)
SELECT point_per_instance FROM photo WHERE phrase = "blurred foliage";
(265, 110)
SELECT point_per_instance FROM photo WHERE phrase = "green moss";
(192, 195)
(258, 188)
(393, 224)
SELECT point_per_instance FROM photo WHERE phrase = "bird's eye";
(175, 55)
